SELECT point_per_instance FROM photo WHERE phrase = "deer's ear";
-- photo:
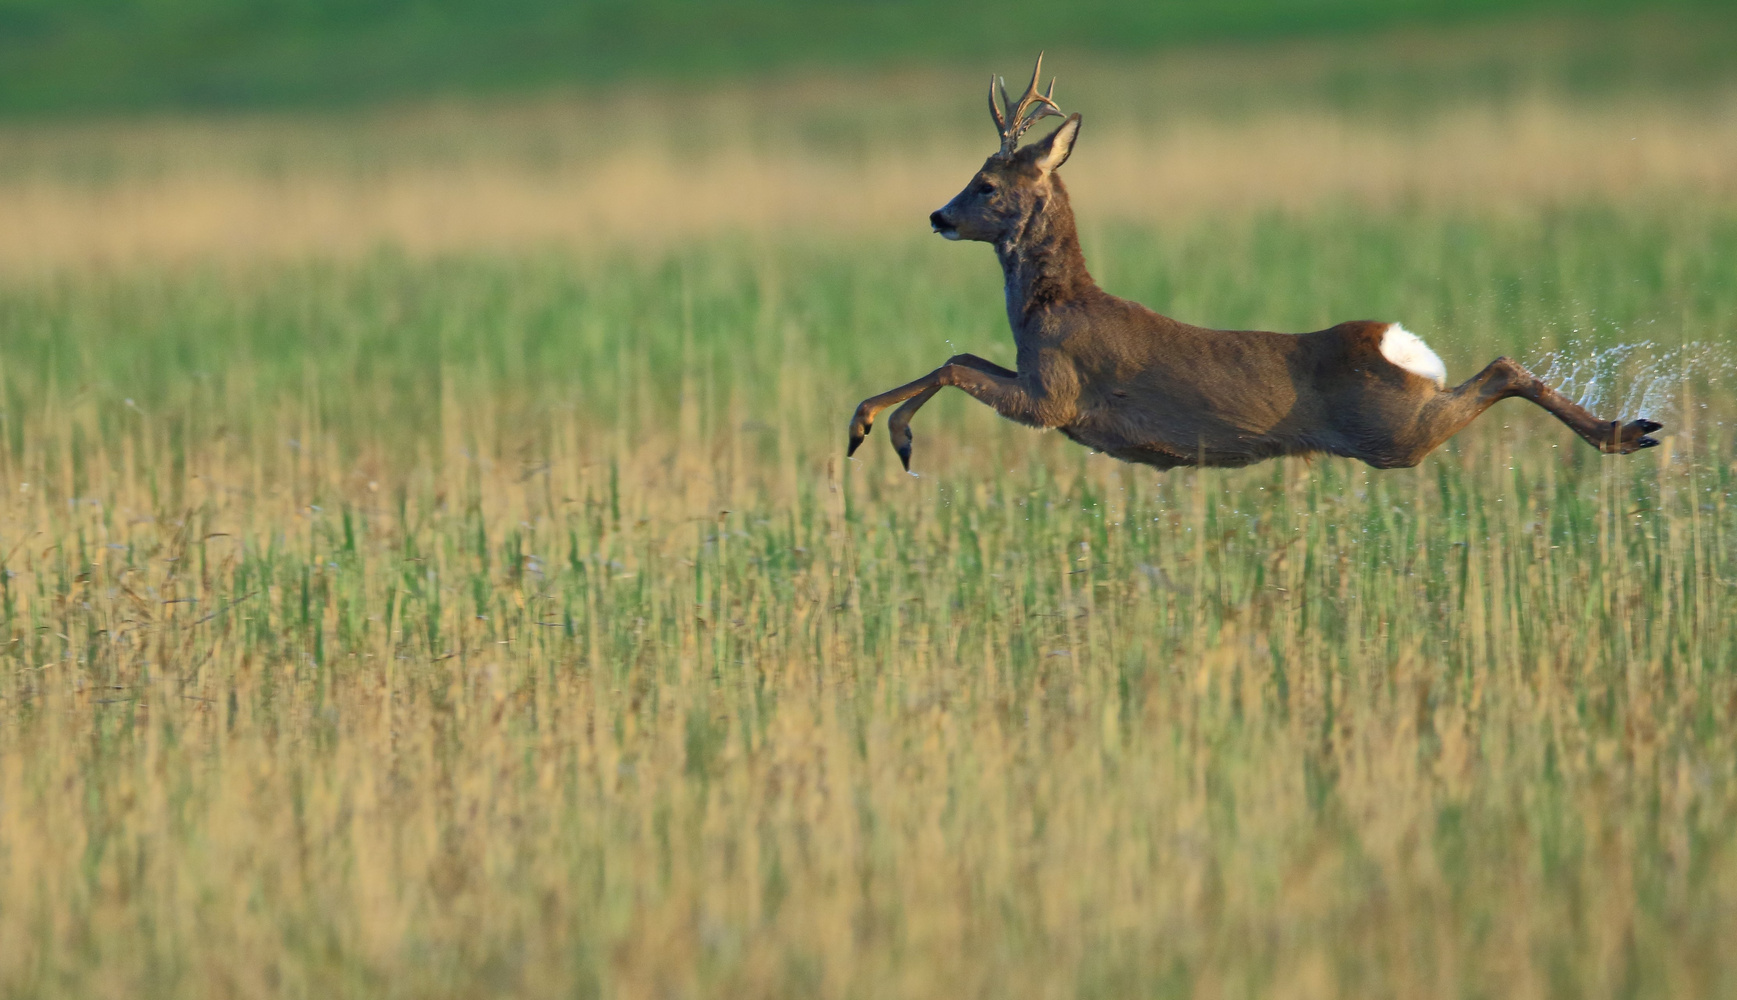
(1052, 151)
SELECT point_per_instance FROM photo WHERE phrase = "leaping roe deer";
(1117, 377)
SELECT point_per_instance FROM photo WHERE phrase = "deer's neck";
(1043, 263)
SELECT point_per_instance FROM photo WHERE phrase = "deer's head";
(1014, 182)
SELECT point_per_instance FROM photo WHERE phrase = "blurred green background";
(429, 568)
(123, 55)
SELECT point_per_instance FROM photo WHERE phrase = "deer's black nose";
(938, 222)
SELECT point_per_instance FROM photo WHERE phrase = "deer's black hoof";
(899, 436)
(1631, 437)
(860, 424)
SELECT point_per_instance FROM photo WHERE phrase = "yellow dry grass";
(777, 752)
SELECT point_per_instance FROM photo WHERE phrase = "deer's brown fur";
(1120, 378)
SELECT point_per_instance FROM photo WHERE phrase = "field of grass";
(510, 624)
(428, 564)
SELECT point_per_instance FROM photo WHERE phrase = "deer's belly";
(1115, 448)
(1139, 445)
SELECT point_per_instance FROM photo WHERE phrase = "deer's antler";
(1012, 120)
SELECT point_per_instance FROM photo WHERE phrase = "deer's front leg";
(899, 424)
(1003, 392)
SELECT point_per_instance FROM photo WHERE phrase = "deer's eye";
(985, 189)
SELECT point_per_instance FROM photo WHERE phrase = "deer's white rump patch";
(1408, 351)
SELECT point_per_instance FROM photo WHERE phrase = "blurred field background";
(428, 566)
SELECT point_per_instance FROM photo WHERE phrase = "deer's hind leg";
(1447, 412)
(1613, 437)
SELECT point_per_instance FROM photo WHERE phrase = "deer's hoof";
(860, 425)
(1632, 437)
(899, 433)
